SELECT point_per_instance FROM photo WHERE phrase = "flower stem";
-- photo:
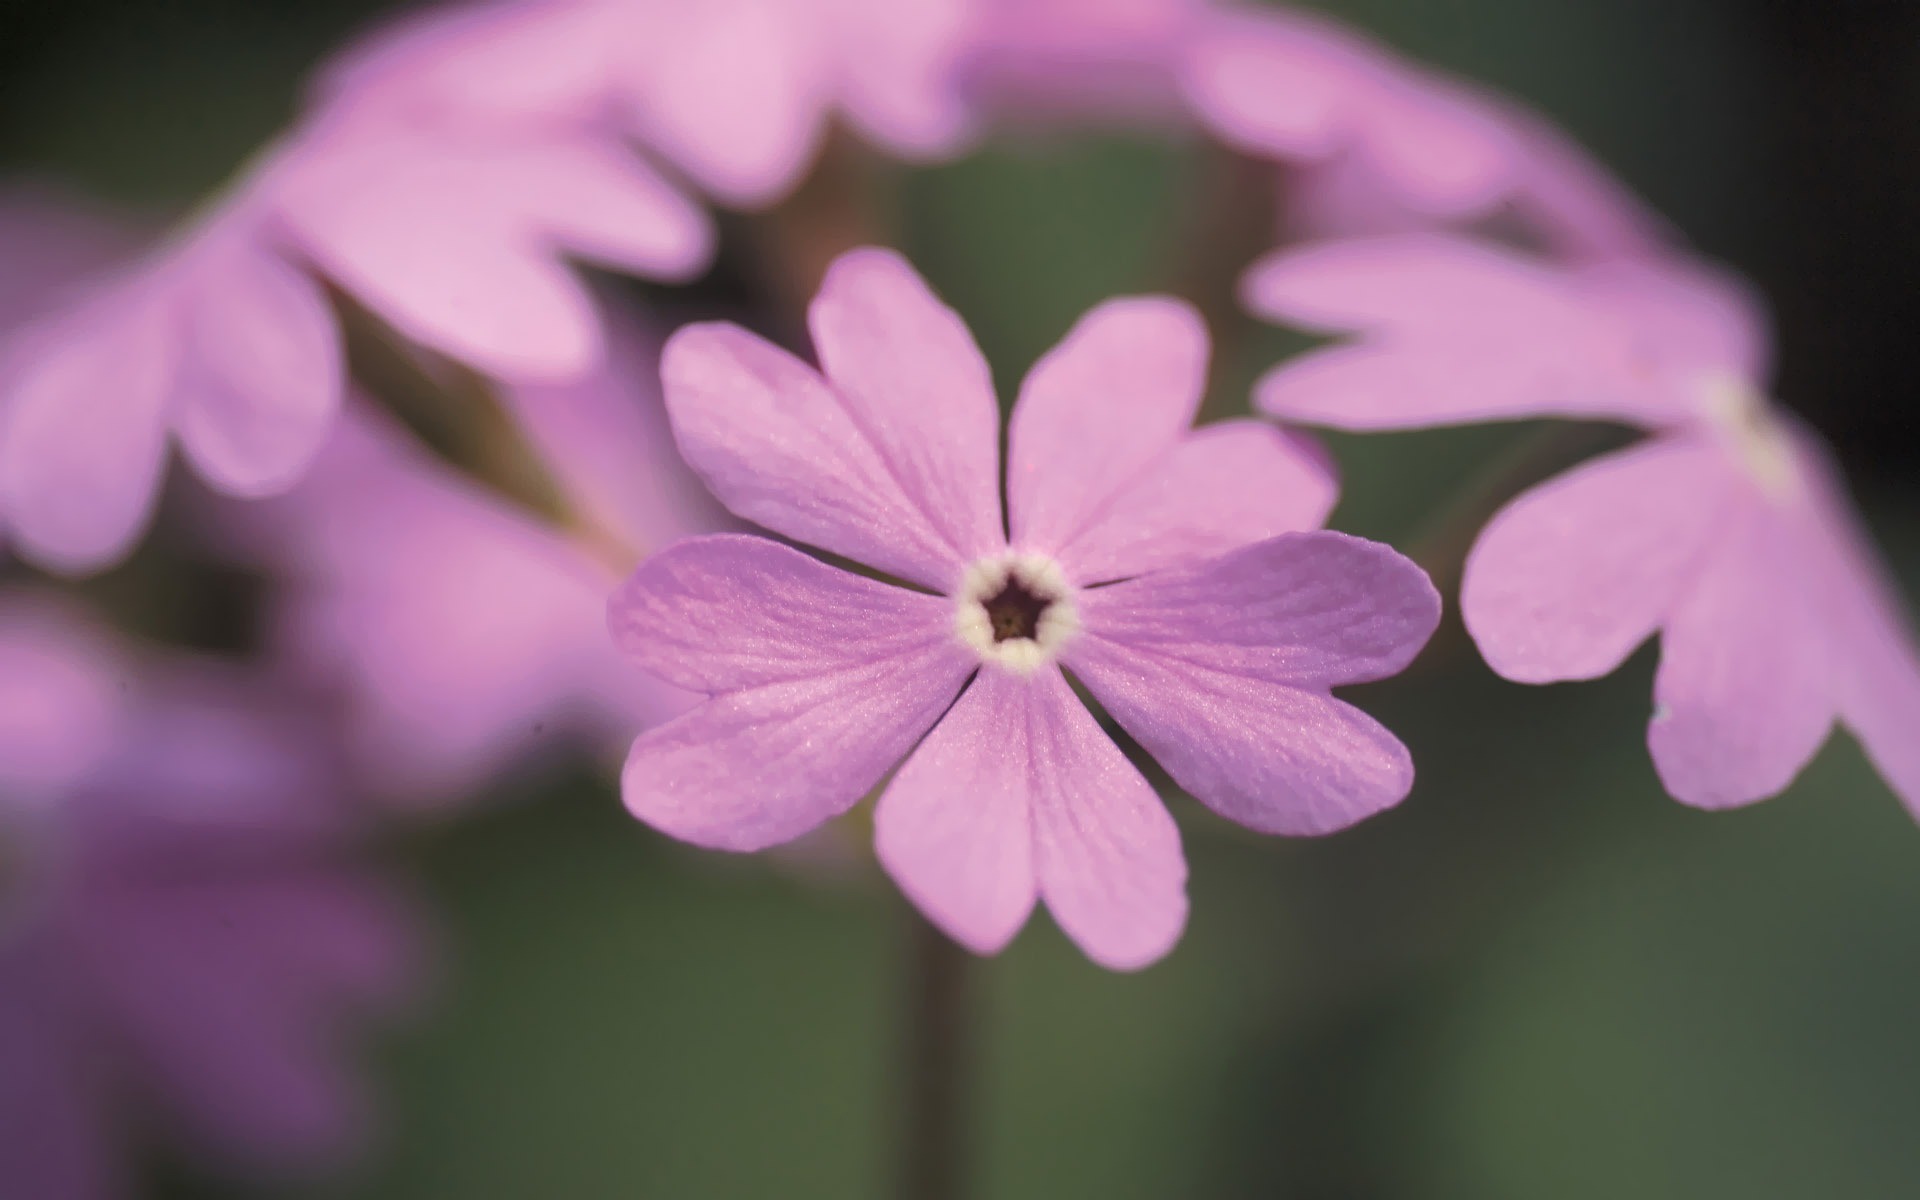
(936, 1060)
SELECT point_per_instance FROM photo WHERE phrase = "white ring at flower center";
(1040, 577)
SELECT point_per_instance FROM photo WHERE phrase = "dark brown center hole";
(1015, 612)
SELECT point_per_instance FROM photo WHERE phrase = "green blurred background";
(1539, 979)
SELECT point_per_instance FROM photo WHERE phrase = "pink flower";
(736, 93)
(1726, 530)
(222, 340)
(214, 339)
(465, 637)
(185, 940)
(1135, 558)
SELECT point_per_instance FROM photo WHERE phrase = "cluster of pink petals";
(734, 93)
(464, 636)
(185, 944)
(1726, 530)
(1176, 597)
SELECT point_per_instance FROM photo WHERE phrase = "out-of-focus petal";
(1744, 694)
(734, 91)
(780, 446)
(83, 430)
(1567, 579)
(729, 611)
(1303, 89)
(1225, 485)
(606, 443)
(1692, 316)
(754, 768)
(1097, 412)
(51, 241)
(260, 383)
(61, 698)
(898, 66)
(1456, 331)
(1018, 788)
(457, 240)
(1876, 667)
(911, 377)
(1303, 609)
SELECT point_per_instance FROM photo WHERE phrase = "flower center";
(1015, 611)
(1747, 427)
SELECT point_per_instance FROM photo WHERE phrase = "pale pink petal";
(83, 432)
(913, 380)
(1876, 667)
(1457, 331)
(1017, 789)
(898, 70)
(261, 373)
(607, 444)
(1571, 576)
(1098, 411)
(1687, 315)
(1275, 758)
(456, 241)
(1224, 486)
(955, 828)
(52, 240)
(1308, 609)
(1745, 691)
(754, 768)
(713, 614)
(735, 92)
(1221, 673)
(1304, 89)
(781, 447)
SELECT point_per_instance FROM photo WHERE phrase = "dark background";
(1540, 979)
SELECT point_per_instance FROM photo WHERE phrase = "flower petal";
(1571, 576)
(1098, 411)
(1745, 692)
(754, 768)
(1876, 665)
(1017, 789)
(912, 378)
(1221, 671)
(1305, 609)
(1224, 486)
(1458, 331)
(712, 614)
(735, 92)
(83, 425)
(1275, 758)
(779, 446)
(261, 381)
(456, 242)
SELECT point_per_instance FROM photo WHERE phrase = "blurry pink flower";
(213, 338)
(221, 338)
(184, 937)
(1726, 530)
(466, 637)
(1135, 558)
(50, 241)
(1112, 59)
(736, 93)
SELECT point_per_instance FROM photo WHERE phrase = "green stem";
(936, 1061)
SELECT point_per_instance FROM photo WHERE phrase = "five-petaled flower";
(1151, 561)
(1727, 530)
